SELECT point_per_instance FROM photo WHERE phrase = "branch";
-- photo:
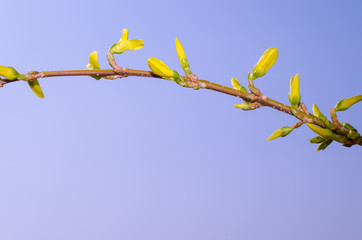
(328, 131)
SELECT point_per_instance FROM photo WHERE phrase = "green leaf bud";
(317, 139)
(353, 134)
(282, 132)
(324, 145)
(244, 106)
(344, 104)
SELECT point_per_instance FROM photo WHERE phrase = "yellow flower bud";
(182, 57)
(282, 132)
(9, 72)
(294, 95)
(160, 68)
(324, 132)
(266, 61)
(126, 44)
(317, 113)
(35, 86)
(344, 104)
(93, 62)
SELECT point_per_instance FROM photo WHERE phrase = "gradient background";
(142, 158)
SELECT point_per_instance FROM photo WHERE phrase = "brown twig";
(257, 98)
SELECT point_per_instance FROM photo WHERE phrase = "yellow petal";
(124, 35)
(93, 62)
(132, 44)
(35, 86)
(160, 68)
(127, 45)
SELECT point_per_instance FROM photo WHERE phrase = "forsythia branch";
(328, 131)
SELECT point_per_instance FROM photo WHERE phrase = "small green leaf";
(244, 106)
(243, 89)
(35, 86)
(317, 139)
(324, 145)
(235, 83)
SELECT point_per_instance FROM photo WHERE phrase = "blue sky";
(142, 158)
